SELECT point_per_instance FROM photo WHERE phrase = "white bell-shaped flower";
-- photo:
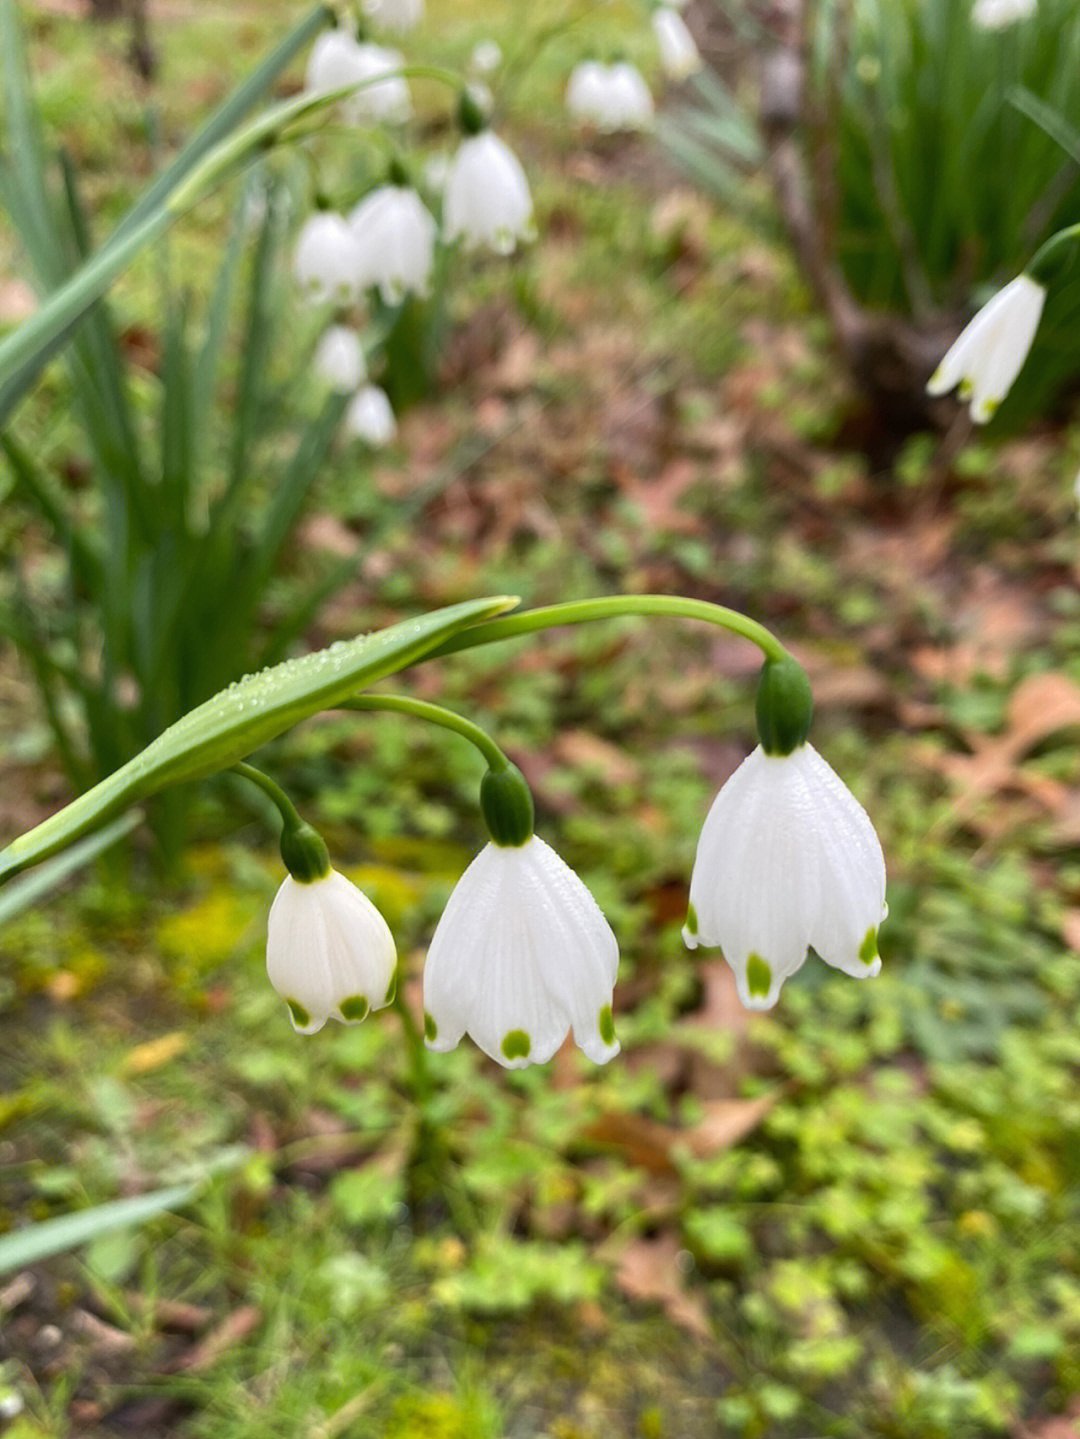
(380, 100)
(521, 956)
(333, 62)
(327, 260)
(329, 952)
(339, 360)
(679, 54)
(399, 15)
(1000, 14)
(395, 234)
(487, 199)
(787, 859)
(991, 350)
(370, 417)
(610, 97)
(486, 57)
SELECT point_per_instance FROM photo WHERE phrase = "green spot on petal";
(431, 1029)
(758, 976)
(300, 1016)
(354, 1009)
(868, 950)
(516, 1044)
(391, 989)
(606, 1025)
(691, 925)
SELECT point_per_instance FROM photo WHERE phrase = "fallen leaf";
(232, 1330)
(155, 1053)
(725, 1121)
(651, 1269)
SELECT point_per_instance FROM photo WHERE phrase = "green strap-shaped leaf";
(243, 717)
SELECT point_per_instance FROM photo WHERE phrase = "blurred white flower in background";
(999, 14)
(679, 54)
(487, 200)
(339, 360)
(990, 351)
(380, 99)
(395, 235)
(329, 952)
(787, 858)
(332, 62)
(521, 955)
(610, 97)
(326, 260)
(399, 15)
(486, 57)
(370, 417)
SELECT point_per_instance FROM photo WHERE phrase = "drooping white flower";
(1000, 14)
(991, 350)
(399, 15)
(329, 952)
(380, 100)
(370, 417)
(679, 54)
(326, 260)
(611, 97)
(486, 57)
(521, 956)
(787, 859)
(333, 62)
(487, 199)
(395, 234)
(339, 359)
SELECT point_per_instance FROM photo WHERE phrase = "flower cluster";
(614, 96)
(787, 860)
(386, 247)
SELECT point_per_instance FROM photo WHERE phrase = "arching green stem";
(578, 612)
(434, 714)
(1048, 258)
(284, 804)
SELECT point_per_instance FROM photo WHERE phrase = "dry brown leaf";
(650, 1269)
(582, 750)
(725, 1121)
(644, 1143)
(155, 1053)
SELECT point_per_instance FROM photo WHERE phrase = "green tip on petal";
(605, 1023)
(299, 1015)
(691, 925)
(516, 1044)
(391, 989)
(758, 976)
(868, 950)
(354, 1009)
(431, 1029)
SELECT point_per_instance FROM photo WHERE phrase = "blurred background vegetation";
(856, 1216)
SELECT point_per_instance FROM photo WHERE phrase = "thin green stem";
(434, 714)
(285, 806)
(578, 612)
(1048, 257)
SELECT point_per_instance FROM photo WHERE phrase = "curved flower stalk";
(339, 360)
(991, 350)
(329, 952)
(787, 858)
(486, 200)
(395, 236)
(679, 54)
(326, 261)
(370, 417)
(385, 96)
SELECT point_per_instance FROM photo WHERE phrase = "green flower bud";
(304, 852)
(785, 706)
(506, 803)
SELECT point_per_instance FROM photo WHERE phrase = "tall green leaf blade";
(54, 1236)
(245, 716)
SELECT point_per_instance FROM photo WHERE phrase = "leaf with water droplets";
(246, 715)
